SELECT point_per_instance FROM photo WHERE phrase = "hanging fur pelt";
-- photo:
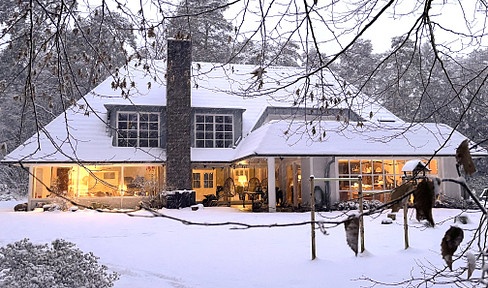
(352, 232)
(424, 200)
(453, 237)
(398, 193)
(463, 158)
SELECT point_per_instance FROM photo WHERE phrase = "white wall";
(447, 169)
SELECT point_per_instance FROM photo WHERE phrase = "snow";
(159, 252)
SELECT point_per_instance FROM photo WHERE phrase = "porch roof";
(285, 138)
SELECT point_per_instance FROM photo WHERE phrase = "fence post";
(361, 221)
(312, 213)
(405, 223)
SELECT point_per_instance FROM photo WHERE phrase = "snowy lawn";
(157, 252)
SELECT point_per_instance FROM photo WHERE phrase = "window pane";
(354, 167)
(133, 117)
(132, 143)
(143, 143)
(344, 185)
(377, 166)
(366, 166)
(433, 167)
(219, 135)
(219, 144)
(398, 166)
(154, 117)
(209, 127)
(200, 143)
(123, 117)
(144, 126)
(228, 119)
(228, 144)
(144, 117)
(153, 134)
(367, 183)
(228, 136)
(153, 126)
(219, 127)
(388, 166)
(208, 119)
(228, 127)
(122, 143)
(378, 183)
(209, 143)
(219, 119)
(144, 134)
(209, 135)
(122, 125)
(199, 118)
(343, 167)
(200, 127)
(153, 143)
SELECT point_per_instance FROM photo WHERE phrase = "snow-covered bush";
(23, 264)
(354, 205)
(7, 194)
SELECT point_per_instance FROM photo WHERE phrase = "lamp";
(242, 179)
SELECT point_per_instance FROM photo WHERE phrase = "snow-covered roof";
(81, 134)
(386, 139)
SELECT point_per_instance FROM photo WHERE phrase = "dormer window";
(137, 129)
(214, 130)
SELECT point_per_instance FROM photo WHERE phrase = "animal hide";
(352, 233)
(424, 200)
(453, 237)
(463, 157)
(398, 193)
(471, 263)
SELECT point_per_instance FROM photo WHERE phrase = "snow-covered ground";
(157, 252)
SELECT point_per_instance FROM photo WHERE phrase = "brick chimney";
(178, 115)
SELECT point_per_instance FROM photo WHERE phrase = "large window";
(214, 131)
(137, 129)
(378, 175)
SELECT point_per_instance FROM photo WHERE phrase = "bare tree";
(54, 51)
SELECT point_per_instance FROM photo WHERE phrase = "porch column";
(282, 181)
(271, 185)
(30, 189)
(295, 184)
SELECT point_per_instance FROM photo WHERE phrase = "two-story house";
(214, 127)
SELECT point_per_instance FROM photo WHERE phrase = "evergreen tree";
(204, 22)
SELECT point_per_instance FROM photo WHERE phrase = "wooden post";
(405, 223)
(361, 221)
(312, 214)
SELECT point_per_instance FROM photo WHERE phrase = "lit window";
(137, 129)
(378, 177)
(213, 131)
(196, 180)
(207, 180)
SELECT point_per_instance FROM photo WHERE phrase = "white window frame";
(211, 142)
(138, 129)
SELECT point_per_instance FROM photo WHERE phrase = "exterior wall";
(178, 115)
(447, 169)
(322, 167)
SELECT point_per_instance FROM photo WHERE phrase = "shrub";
(23, 264)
